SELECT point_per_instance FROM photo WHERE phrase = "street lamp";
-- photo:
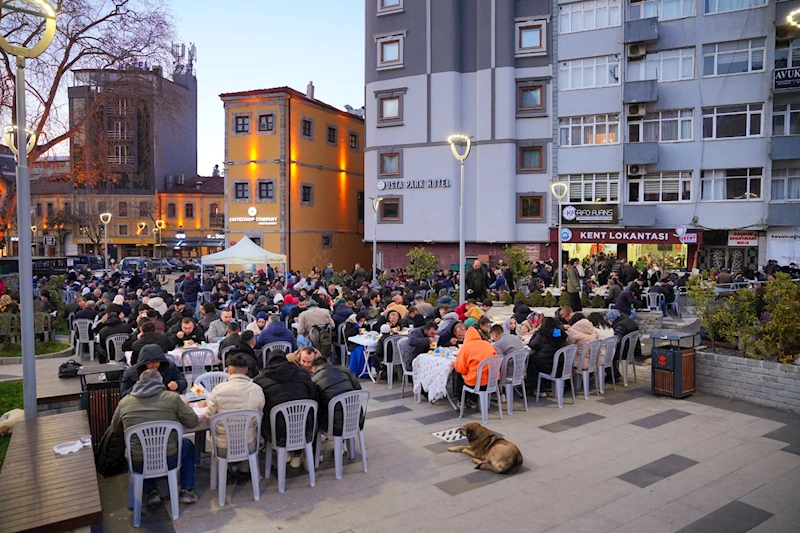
(41, 9)
(159, 230)
(33, 238)
(559, 190)
(376, 204)
(462, 254)
(105, 218)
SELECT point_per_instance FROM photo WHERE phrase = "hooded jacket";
(418, 343)
(150, 354)
(507, 343)
(580, 334)
(253, 363)
(239, 392)
(282, 382)
(625, 302)
(623, 325)
(113, 326)
(158, 304)
(150, 401)
(331, 381)
(190, 288)
(447, 323)
(313, 316)
(544, 347)
(341, 313)
(472, 352)
(521, 312)
(277, 331)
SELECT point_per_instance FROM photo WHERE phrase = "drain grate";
(448, 435)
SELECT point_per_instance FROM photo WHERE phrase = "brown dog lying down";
(488, 450)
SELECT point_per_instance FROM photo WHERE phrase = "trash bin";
(673, 371)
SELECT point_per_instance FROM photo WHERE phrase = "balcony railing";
(121, 159)
(787, 79)
(217, 221)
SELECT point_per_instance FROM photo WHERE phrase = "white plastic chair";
(209, 380)
(626, 350)
(654, 300)
(341, 343)
(70, 323)
(83, 336)
(153, 438)
(199, 359)
(609, 349)
(392, 341)
(116, 340)
(277, 345)
(295, 414)
(402, 346)
(492, 365)
(593, 349)
(567, 355)
(237, 425)
(519, 362)
(352, 404)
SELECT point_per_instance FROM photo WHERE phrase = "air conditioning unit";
(637, 50)
(636, 110)
(784, 33)
(636, 170)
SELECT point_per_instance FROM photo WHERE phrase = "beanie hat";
(279, 298)
(261, 314)
(385, 329)
(470, 322)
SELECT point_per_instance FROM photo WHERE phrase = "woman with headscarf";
(510, 325)
(580, 333)
(530, 324)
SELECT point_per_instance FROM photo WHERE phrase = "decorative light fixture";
(792, 18)
(9, 133)
(460, 138)
(559, 190)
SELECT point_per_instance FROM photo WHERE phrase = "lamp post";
(105, 218)
(376, 204)
(41, 9)
(462, 254)
(160, 225)
(34, 228)
(559, 190)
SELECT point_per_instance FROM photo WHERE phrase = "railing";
(121, 159)
(217, 221)
(120, 135)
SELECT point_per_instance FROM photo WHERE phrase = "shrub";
(779, 335)
(517, 262)
(736, 320)
(421, 264)
(433, 299)
(505, 298)
(563, 299)
(549, 300)
(536, 299)
(598, 302)
(520, 297)
(700, 288)
(585, 300)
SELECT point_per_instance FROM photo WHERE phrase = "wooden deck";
(45, 492)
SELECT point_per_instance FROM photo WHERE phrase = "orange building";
(295, 177)
(191, 211)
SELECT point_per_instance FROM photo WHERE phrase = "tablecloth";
(177, 354)
(430, 373)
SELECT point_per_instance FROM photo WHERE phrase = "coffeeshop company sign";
(391, 185)
(253, 216)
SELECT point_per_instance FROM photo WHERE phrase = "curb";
(54, 355)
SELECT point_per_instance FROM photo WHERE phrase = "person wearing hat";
(44, 305)
(258, 325)
(179, 305)
(152, 357)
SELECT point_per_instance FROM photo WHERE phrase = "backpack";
(69, 369)
(320, 337)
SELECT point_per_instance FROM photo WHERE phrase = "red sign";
(233, 242)
(628, 236)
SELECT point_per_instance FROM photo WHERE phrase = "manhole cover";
(448, 435)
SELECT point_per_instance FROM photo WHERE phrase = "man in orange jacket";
(472, 353)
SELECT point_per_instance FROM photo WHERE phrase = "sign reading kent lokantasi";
(589, 214)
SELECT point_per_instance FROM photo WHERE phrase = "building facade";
(294, 177)
(674, 136)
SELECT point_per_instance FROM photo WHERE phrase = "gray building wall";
(175, 132)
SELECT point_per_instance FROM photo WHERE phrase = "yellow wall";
(200, 223)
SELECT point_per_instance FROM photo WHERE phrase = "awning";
(193, 243)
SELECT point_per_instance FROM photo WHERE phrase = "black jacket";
(622, 326)
(113, 326)
(543, 349)
(190, 288)
(86, 312)
(242, 348)
(331, 381)
(167, 369)
(197, 335)
(476, 280)
(282, 382)
(418, 343)
(154, 337)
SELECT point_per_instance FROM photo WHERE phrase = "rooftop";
(199, 185)
(288, 92)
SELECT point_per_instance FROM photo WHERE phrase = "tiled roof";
(208, 186)
(292, 93)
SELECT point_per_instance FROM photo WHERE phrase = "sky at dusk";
(256, 44)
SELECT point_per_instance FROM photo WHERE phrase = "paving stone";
(736, 517)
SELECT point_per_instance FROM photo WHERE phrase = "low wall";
(648, 322)
(753, 380)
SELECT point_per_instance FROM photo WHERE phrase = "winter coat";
(277, 331)
(151, 354)
(573, 280)
(446, 325)
(113, 326)
(418, 343)
(614, 290)
(580, 334)
(331, 381)
(622, 326)
(313, 316)
(158, 304)
(253, 361)
(625, 302)
(216, 330)
(282, 382)
(543, 349)
(190, 288)
(208, 319)
(197, 335)
(154, 337)
(239, 392)
(341, 313)
(521, 312)
(472, 353)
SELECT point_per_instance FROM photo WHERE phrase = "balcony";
(640, 92)
(786, 80)
(640, 153)
(785, 147)
(640, 31)
(217, 221)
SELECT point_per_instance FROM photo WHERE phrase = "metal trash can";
(673, 371)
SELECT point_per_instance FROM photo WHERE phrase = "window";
(123, 209)
(661, 126)
(669, 65)
(307, 128)
(530, 98)
(731, 184)
(390, 164)
(390, 108)
(531, 38)
(123, 229)
(785, 184)
(241, 190)
(353, 141)
(590, 72)
(122, 107)
(68, 208)
(530, 208)
(388, 7)
(592, 129)
(591, 188)
(51, 210)
(213, 209)
(39, 212)
(327, 240)
(732, 121)
(331, 135)
(390, 210)
(307, 194)
(530, 158)
(144, 209)
(737, 57)
(266, 123)
(172, 210)
(721, 6)
(120, 155)
(242, 124)
(266, 190)
(360, 207)
(188, 210)
(589, 15)
(788, 54)
(661, 187)
(785, 119)
(102, 207)
(663, 9)
(390, 50)
(81, 208)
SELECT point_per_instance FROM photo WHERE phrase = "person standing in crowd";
(574, 285)
(476, 282)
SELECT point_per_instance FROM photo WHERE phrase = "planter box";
(753, 380)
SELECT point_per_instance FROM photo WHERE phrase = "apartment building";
(672, 122)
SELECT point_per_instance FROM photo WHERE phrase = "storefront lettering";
(602, 236)
(389, 185)
(262, 221)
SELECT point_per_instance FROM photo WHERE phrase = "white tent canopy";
(244, 252)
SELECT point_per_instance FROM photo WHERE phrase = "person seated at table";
(549, 338)
(419, 342)
(472, 310)
(331, 381)
(259, 324)
(452, 337)
(112, 323)
(148, 335)
(486, 307)
(174, 318)
(352, 326)
(396, 305)
(283, 381)
(424, 308)
(563, 316)
(521, 312)
(179, 305)
(580, 333)
(445, 317)
(343, 310)
(219, 328)
(626, 303)
(510, 326)
(413, 319)
(208, 314)
(274, 332)
(186, 331)
(313, 316)
(482, 325)
(622, 325)
(392, 319)
(233, 336)
(220, 298)
(474, 350)
(503, 341)
(603, 331)
(88, 312)
(148, 400)
(614, 290)
(152, 357)
(155, 318)
(659, 289)
(246, 348)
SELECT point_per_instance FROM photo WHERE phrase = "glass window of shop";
(666, 256)
(586, 250)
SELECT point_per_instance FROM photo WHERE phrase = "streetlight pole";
(23, 147)
(376, 203)
(105, 218)
(462, 254)
(559, 190)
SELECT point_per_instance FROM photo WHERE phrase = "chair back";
(70, 321)
(402, 346)
(68, 297)
(206, 296)
(593, 351)
(295, 414)
(340, 333)
(223, 355)
(492, 365)
(371, 323)
(199, 359)
(443, 292)
(654, 300)
(518, 361)
(568, 354)
(277, 345)
(209, 380)
(609, 350)
(83, 327)
(392, 341)
(116, 340)
(237, 426)
(628, 346)
(250, 318)
(353, 404)
(153, 438)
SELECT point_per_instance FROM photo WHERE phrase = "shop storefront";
(193, 245)
(736, 250)
(783, 245)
